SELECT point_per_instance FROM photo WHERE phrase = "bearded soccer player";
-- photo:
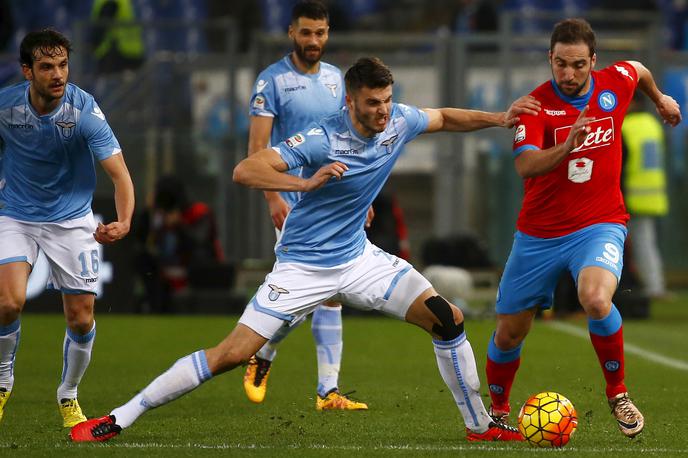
(51, 133)
(573, 216)
(324, 254)
(295, 91)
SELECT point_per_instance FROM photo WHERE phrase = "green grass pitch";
(391, 365)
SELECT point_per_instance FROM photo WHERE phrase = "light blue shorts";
(536, 264)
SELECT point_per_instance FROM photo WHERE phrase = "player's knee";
(594, 300)
(11, 305)
(507, 340)
(450, 319)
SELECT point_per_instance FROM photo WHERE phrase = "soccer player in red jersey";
(573, 215)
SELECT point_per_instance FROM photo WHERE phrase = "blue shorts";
(536, 264)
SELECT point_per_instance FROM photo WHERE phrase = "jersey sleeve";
(530, 134)
(97, 132)
(625, 79)
(264, 97)
(416, 120)
(308, 148)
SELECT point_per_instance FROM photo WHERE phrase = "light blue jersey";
(325, 227)
(47, 161)
(295, 100)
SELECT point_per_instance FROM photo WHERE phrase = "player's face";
(49, 72)
(309, 37)
(571, 67)
(370, 109)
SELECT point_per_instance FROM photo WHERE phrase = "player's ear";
(27, 72)
(291, 31)
(550, 57)
(593, 59)
(349, 101)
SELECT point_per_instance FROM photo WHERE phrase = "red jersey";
(585, 188)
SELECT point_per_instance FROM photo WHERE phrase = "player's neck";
(302, 66)
(360, 128)
(42, 105)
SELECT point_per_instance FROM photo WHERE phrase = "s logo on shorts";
(275, 292)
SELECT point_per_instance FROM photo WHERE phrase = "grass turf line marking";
(628, 348)
(381, 447)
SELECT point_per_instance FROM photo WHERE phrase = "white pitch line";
(380, 447)
(628, 347)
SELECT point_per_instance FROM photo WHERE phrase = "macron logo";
(98, 114)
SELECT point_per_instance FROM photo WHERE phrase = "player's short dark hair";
(312, 9)
(47, 41)
(368, 72)
(571, 31)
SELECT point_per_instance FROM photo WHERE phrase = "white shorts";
(375, 280)
(72, 252)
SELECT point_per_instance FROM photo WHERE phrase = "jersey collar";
(580, 101)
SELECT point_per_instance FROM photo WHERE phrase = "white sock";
(327, 332)
(184, 375)
(457, 366)
(269, 350)
(76, 354)
(9, 341)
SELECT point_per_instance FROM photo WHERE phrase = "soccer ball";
(547, 420)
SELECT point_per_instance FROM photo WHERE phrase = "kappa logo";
(520, 133)
(333, 88)
(260, 85)
(276, 292)
(294, 141)
(555, 112)
(315, 131)
(601, 134)
(97, 113)
(623, 71)
(66, 128)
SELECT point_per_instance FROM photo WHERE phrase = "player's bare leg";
(456, 362)
(13, 279)
(596, 287)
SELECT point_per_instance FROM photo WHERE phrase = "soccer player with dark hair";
(289, 95)
(51, 132)
(323, 253)
(573, 216)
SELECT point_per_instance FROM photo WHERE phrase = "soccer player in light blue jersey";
(324, 254)
(51, 132)
(290, 94)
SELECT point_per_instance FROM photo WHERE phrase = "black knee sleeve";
(447, 329)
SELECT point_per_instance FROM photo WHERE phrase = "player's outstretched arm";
(258, 139)
(532, 163)
(462, 120)
(117, 170)
(666, 106)
(265, 170)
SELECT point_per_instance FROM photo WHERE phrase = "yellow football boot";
(71, 412)
(338, 401)
(4, 396)
(256, 379)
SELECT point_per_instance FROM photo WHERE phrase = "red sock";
(500, 377)
(610, 352)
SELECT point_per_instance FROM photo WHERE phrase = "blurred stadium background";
(183, 109)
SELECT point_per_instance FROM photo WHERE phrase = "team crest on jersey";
(601, 134)
(333, 88)
(276, 292)
(259, 102)
(607, 100)
(520, 133)
(294, 141)
(66, 128)
(390, 141)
